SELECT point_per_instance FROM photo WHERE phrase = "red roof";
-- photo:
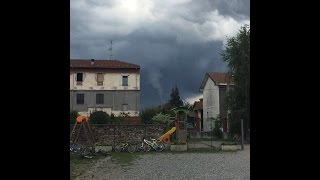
(218, 77)
(198, 105)
(108, 64)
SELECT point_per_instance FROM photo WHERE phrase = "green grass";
(79, 165)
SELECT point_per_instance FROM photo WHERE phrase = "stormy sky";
(174, 41)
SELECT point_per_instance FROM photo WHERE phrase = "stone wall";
(111, 134)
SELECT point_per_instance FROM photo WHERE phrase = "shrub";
(99, 117)
(217, 125)
(217, 132)
(147, 114)
(73, 116)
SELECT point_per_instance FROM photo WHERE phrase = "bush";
(100, 117)
(73, 116)
(147, 114)
(216, 130)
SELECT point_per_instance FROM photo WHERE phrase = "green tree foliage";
(161, 118)
(237, 55)
(166, 109)
(175, 97)
(147, 114)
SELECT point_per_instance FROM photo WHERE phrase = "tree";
(166, 109)
(163, 119)
(187, 105)
(175, 97)
(237, 55)
(148, 113)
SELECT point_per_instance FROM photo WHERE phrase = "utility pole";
(228, 86)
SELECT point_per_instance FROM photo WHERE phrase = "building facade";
(111, 86)
(214, 88)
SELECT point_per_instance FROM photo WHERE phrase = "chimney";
(92, 61)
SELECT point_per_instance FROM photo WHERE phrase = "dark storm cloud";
(174, 42)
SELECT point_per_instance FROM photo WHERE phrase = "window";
(99, 99)
(79, 78)
(100, 79)
(80, 98)
(124, 107)
(124, 80)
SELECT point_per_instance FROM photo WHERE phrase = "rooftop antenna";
(110, 49)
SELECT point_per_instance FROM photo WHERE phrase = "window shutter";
(100, 77)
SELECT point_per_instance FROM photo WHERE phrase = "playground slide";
(81, 118)
(166, 136)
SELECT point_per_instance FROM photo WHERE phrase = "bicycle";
(124, 147)
(155, 144)
(83, 151)
(143, 147)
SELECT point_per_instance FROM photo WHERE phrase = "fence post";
(242, 134)
(114, 135)
(145, 130)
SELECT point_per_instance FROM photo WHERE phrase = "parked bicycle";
(155, 144)
(143, 147)
(83, 151)
(125, 147)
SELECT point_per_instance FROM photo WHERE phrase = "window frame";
(79, 99)
(98, 100)
(123, 77)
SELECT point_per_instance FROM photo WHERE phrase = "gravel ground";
(202, 166)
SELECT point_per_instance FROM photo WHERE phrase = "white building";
(214, 88)
(112, 86)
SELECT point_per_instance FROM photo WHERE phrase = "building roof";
(198, 105)
(217, 77)
(106, 64)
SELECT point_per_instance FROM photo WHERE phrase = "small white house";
(214, 88)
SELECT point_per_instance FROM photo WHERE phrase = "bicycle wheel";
(85, 152)
(147, 148)
(131, 148)
(77, 148)
(161, 146)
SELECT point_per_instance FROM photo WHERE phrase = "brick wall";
(119, 133)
